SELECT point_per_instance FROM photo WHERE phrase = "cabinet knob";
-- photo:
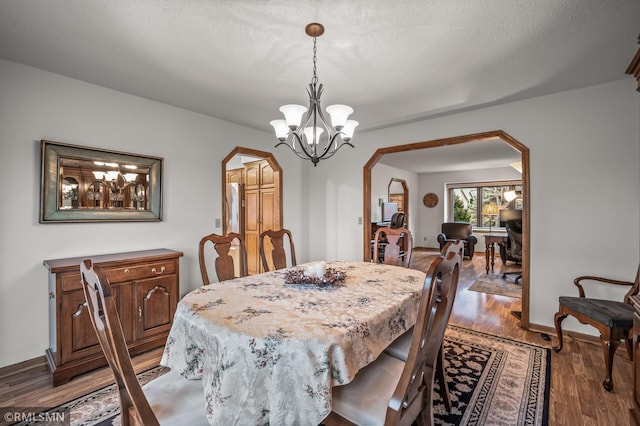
(156, 272)
(139, 313)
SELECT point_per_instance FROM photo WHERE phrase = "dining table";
(269, 348)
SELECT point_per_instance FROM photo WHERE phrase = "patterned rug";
(495, 284)
(492, 381)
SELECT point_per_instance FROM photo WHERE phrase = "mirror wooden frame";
(51, 155)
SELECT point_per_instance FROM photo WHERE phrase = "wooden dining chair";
(169, 399)
(278, 254)
(612, 318)
(392, 246)
(225, 265)
(392, 392)
(399, 348)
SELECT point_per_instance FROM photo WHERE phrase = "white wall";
(430, 219)
(587, 139)
(37, 105)
(585, 176)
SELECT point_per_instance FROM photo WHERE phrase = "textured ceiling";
(393, 61)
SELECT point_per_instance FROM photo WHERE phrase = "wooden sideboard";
(146, 288)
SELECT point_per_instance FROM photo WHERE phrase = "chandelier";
(305, 130)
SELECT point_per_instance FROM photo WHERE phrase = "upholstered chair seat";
(608, 312)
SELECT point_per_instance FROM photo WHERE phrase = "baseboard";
(434, 249)
(22, 366)
(551, 331)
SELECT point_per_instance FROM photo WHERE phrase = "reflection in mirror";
(81, 184)
(87, 184)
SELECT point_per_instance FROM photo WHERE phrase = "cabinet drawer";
(71, 282)
(136, 272)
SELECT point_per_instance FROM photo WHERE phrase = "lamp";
(490, 209)
(512, 195)
(305, 130)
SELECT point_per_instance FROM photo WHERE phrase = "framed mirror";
(81, 184)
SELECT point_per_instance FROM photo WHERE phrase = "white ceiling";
(393, 61)
(485, 154)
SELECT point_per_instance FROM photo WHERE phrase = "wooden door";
(262, 208)
(252, 229)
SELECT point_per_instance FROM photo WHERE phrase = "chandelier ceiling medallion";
(305, 130)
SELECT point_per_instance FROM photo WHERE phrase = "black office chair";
(512, 248)
(397, 220)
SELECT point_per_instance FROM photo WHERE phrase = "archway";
(478, 137)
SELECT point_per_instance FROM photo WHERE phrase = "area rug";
(492, 381)
(495, 284)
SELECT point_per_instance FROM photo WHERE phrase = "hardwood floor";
(577, 396)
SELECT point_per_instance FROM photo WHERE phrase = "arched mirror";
(398, 193)
(252, 198)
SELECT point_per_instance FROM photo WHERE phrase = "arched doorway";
(260, 205)
(473, 138)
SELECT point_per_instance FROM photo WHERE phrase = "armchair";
(612, 318)
(454, 231)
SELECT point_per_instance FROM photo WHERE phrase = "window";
(465, 201)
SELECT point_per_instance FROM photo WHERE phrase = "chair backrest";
(393, 245)
(106, 322)
(278, 253)
(457, 230)
(224, 263)
(455, 247)
(413, 392)
(634, 288)
(515, 239)
(397, 220)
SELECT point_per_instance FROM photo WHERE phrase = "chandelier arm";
(327, 153)
(292, 149)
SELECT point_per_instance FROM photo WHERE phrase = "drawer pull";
(139, 313)
(126, 271)
(156, 272)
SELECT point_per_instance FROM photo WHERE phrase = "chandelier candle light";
(306, 131)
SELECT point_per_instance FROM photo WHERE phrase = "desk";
(269, 353)
(490, 250)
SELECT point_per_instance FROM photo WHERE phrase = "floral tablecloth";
(269, 352)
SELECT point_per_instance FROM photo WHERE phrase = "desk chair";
(512, 249)
(169, 399)
(224, 263)
(278, 254)
(389, 391)
(613, 319)
(388, 246)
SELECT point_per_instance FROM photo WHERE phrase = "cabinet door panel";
(252, 230)
(76, 315)
(156, 301)
(78, 333)
(267, 175)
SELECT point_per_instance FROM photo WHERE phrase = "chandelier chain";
(314, 80)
